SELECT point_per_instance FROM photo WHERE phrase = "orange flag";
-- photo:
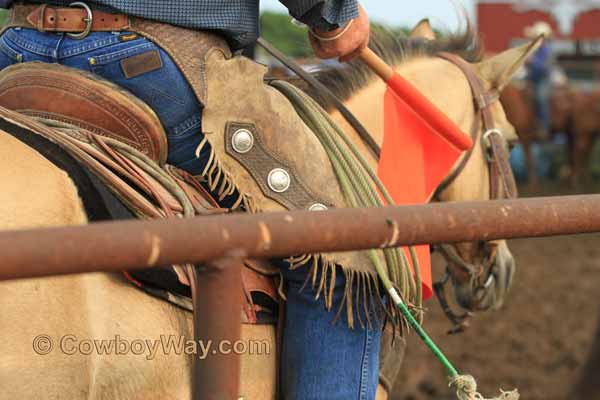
(420, 147)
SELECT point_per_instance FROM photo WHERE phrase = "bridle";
(502, 185)
(501, 175)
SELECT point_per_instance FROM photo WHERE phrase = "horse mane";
(345, 80)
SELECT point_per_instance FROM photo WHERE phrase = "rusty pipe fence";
(223, 240)
(115, 246)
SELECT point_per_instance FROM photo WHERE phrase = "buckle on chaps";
(89, 20)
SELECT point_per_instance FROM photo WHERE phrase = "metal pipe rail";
(115, 246)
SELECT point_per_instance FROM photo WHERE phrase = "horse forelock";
(346, 80)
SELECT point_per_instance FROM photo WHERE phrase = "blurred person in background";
(539, 75)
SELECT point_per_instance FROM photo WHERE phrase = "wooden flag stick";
(419, 103)
(376, 64)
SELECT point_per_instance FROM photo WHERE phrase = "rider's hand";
(346, 42)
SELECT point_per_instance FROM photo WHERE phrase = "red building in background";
(576, 24)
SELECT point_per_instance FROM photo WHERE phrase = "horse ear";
(499, 69)
(422, 30)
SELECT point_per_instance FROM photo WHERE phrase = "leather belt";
(78, 20)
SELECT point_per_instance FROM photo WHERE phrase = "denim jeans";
(320, 360)
(164, 90)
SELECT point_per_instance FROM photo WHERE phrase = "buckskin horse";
(95, 306)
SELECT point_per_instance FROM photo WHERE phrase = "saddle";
(76, 109)
(58, 93)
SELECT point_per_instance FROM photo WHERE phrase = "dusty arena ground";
(538, 342)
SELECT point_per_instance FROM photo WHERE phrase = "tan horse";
(100, 306)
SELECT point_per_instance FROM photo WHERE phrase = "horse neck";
(367, 106)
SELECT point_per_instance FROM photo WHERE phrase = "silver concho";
(242, 141)
(317, 207)
(278, 180)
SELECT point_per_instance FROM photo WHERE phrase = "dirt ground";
(537, 343)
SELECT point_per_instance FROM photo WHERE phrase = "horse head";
(481, 271)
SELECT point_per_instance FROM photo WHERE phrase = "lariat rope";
(128, 161)
(361, 188)
(359, 184)
(125, 159)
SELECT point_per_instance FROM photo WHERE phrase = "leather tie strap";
(45, 18)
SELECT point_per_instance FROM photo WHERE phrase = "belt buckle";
(88, 20)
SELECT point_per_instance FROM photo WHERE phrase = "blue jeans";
(320, 360)
(164, 90)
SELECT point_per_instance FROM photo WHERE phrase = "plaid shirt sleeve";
(322, 14)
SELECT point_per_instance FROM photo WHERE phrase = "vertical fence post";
(217, 320)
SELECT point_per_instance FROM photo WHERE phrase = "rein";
(496, 155)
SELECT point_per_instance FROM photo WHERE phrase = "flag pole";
(420, 104)
(376, 64)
